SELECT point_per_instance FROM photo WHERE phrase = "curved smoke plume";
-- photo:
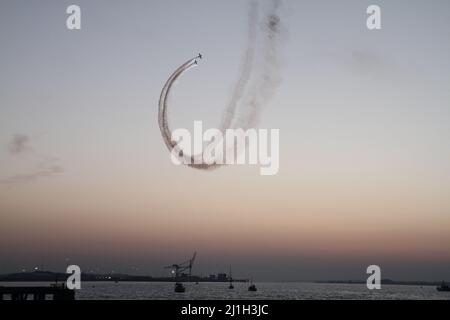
(258, 80)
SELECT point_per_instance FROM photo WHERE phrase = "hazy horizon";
(85, 177)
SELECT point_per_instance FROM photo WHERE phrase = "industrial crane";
(183, 266)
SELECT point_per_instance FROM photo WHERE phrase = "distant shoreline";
(383, 281)
(49, 276)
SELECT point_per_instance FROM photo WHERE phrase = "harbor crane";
(183, 266)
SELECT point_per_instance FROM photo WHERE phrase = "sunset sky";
(364, 119)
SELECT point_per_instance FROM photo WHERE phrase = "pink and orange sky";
(364, 160)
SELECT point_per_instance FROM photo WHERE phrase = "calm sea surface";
(266, 290)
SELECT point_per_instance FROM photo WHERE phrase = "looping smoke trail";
(162, 112)
(251, 90)
(194, 161)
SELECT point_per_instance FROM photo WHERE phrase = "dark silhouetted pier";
(54, 292)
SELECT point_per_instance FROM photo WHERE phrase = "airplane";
(200, 56)
(195, 62)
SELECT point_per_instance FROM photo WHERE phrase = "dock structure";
(54, 292)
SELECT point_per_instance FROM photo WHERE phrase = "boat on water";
(443, 287)
(179, 287)
(231, 281)
(252, 286)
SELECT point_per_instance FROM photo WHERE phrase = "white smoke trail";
(252, 90)
(192, 160)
